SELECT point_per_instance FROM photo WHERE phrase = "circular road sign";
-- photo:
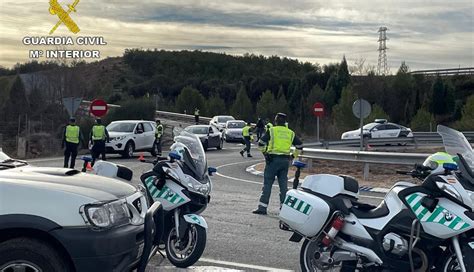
(361, 108)
(318, 109)
(98, 107)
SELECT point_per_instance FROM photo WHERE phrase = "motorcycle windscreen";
(456, 143)
(193, 156)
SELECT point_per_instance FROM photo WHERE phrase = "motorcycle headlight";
(106, 215)
(198, 187)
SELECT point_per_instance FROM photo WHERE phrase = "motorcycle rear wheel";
(309, 263)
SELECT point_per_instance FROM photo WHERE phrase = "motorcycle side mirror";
(211, 170)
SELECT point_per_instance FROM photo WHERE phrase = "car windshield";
(223, 119)
(121, 127)
(197, 130)
(235, 124)
(370, 126)
(193, 156)
(456, 143)
(3, 156)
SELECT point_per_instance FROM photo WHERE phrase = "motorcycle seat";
(365, 211)
(350, 184)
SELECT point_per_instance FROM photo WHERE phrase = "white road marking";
(233, 264)
(261, 183)
(241, 265)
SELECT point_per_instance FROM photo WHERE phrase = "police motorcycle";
(427, 227)
(181, 183)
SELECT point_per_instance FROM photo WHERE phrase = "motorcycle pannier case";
(304, 212)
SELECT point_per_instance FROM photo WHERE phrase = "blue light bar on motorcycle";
(299, 164)
(450, 166)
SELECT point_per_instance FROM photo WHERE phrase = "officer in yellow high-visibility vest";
(247, 134)
(158, 134)
(276, 145)
(98, 136)
(71, 137)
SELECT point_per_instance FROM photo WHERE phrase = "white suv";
(128, 136)
(219, 121)
(62, 220)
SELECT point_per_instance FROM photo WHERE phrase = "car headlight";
(119, 138)
(106, 215)
(198, 187)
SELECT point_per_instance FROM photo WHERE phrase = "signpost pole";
(361, 125)
(317, 129)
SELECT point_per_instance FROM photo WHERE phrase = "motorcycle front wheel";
(449, 263)
(308, 262)
(189, 249)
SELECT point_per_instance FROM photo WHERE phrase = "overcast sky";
(426, 34)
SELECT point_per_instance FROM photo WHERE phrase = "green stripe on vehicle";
(454, 223)
(174, 198)
(411, 198)
(434, 214)
(307, 209)
(300, 205)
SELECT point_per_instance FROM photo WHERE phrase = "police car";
(380, 128)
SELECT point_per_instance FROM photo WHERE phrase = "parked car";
(233, 131)
(209, 135)
(129, 136)
(61, 220)
(219, 121)
(380, 128)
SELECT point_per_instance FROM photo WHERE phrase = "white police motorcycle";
(427, 227)
(182, 184)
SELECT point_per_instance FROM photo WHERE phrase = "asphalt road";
(237, 239)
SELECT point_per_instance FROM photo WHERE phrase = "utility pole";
(382, 68)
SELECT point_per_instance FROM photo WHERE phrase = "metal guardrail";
(364, 156)
(181, 116)
(417, 139)
(167, 114)
(445, 72)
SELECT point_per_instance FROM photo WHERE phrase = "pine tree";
(266, 106)
(215, 106)
(438, 106)
(342, 112)
(467, 120)
(190, 99)
(242, 107)
(281, 103)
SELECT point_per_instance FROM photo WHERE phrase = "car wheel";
(221, 144)
(128, 150)
(25, 254)
(205, 145)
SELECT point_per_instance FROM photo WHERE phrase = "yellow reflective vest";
(281, 140)
(246, 131)
(98, 132)
(159, 131)
(72, 134)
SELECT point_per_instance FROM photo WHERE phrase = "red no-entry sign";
(98, 108)
(318, 109)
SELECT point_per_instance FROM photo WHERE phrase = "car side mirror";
(211, 170)
(139, 131)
